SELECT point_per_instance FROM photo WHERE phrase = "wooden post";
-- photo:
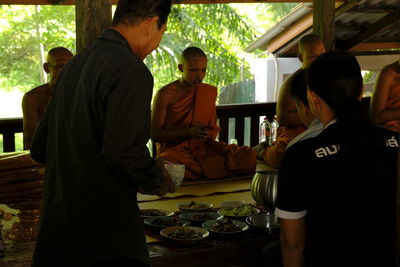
(324, 21)
(92, 18)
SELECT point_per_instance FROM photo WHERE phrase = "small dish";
(193, 206)
(225, 227)
(184, 235)
(232, 204)
(200, 217)
(240, 213)
(161, 222)
(263, 221)
(147, 213)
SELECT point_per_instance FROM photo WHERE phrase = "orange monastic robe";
(273, 154)
(209, 159)
(393, 101)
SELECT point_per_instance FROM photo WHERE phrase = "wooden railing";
(8, 128)
(238, 112)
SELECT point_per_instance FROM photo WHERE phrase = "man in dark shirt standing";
(92, 138)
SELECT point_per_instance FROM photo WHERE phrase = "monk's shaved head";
(307, 40)
(309, 48)
(57, 51)
(56, 59)
(191, 52)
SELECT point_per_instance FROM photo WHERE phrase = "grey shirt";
(93, 138)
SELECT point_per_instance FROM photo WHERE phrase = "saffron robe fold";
(393, 101)
(210, 159)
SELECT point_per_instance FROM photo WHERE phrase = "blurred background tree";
(27, 33)
(221, 30)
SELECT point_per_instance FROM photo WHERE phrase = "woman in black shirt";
(336, 192)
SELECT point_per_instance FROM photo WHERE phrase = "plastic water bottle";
(265, 130)
(274, 130)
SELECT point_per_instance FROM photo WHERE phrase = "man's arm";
(30, 118)
(286, 111)
(127, 131)
(161, 103)
(293, 237)
(379, 113)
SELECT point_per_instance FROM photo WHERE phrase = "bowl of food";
(161, 222)
(263, 221)
(184, 235)
(225, 227)
(193, 206)
(239, 213)
(147, 213)
(232, 204)
(200, 217)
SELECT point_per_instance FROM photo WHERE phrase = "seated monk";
(310, 47)
(385, 100)
(184, 125)
(35, 101)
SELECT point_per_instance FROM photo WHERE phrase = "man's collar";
(115, 36)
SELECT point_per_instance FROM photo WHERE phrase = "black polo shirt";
(347, 194)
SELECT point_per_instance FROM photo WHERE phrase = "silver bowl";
(263, 221)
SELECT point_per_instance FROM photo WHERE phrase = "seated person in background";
(385, 100)
(298, 92)
(290, 125)
(35, 101)
(184, 125)
(348, 170)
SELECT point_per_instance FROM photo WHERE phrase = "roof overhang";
(360, 26)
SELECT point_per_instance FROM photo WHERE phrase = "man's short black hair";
(134, 11)
(298, 88)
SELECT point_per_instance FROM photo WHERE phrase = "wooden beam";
(72, 2)
(284, 37)
(92, 18)
(375, 46)
(370, 31)
(324, 21)
(288, 39)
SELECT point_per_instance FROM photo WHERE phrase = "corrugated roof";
(364, 26)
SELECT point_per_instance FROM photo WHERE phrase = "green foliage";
(369, 76)
(23, 29)
(264, 15)
(222, 37)
(221, 30)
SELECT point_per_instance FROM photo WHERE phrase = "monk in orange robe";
(310, 47)
(385, 100)
(184, 125)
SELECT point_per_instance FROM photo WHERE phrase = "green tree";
(222, 36)
(26, 33)
(264, 15)
(221, 30)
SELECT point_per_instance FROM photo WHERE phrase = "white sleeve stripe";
(290, 215)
